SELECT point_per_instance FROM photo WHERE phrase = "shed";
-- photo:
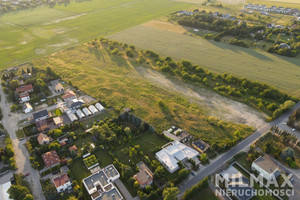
(80, 114)
(99, 107)
(93, 109)
(72, 116)
(86, 111)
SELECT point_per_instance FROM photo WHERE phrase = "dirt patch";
(213, 103)
(166, 26)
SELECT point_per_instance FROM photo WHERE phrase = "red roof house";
(51, 158)
(25, 88)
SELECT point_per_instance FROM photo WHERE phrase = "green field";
(116, 82)
(278, 71)
(28, 34)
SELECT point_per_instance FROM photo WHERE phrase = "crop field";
(115, 81)
(28, 34)
(283, 3)
(278, 71)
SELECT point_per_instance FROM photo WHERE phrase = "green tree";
(203, 158)
(29, 197)
(170, 193)
(287, 152)
(17, 192)
(72, 198)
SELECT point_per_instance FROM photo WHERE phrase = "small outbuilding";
(99, 107)
(93, 109)
(80, 114)
(86, 111)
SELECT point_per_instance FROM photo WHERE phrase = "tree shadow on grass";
(238, 50)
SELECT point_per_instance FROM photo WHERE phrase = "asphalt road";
(10, 121)
(225, 157)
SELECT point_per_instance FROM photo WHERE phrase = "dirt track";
(213, 103)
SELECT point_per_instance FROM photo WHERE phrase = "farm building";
(72, 116)
(86, 111)
(80, 114)
(93, 109)
(99, 107)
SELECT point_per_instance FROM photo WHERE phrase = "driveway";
(9, 121)
(123, 190)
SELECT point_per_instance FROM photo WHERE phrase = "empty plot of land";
(281, 72)
(166, 26)
(214, 104)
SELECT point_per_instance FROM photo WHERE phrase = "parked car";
(293, 129)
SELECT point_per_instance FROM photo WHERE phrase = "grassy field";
(116, 82)
(206, 194)
(278, 71)
(28, 34)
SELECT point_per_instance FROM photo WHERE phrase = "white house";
(174, 152)
(266, 167)
(62, 183)
(86, 111)
(93, 109)
(103, 179)
(80, 114)
(24, 97)
(27, 108)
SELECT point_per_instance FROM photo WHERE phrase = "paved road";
(21, 154)
(223, 158)
(123, 190)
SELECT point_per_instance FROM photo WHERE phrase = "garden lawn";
(78, 170)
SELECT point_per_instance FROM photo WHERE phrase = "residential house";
(75, 104)
(200, 146)
(183, 136)
(25, 88)
(51, 158)
(266, 167)
(24, 97)
(69, 95)
(27, 108)
(43, 139)
(237, 183)
(57, 86)
(86, 111)
(42, 125)
(41, 115)
(58, 121)
(62, 183)
(100, 184)
(175, 152)
(145, 176)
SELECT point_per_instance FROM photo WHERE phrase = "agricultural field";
(115, 81)
(31, 33)
(280, 72)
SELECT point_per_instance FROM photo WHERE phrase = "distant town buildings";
(273, 9)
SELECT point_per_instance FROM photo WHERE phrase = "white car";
(284, 123)
(293, 129)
